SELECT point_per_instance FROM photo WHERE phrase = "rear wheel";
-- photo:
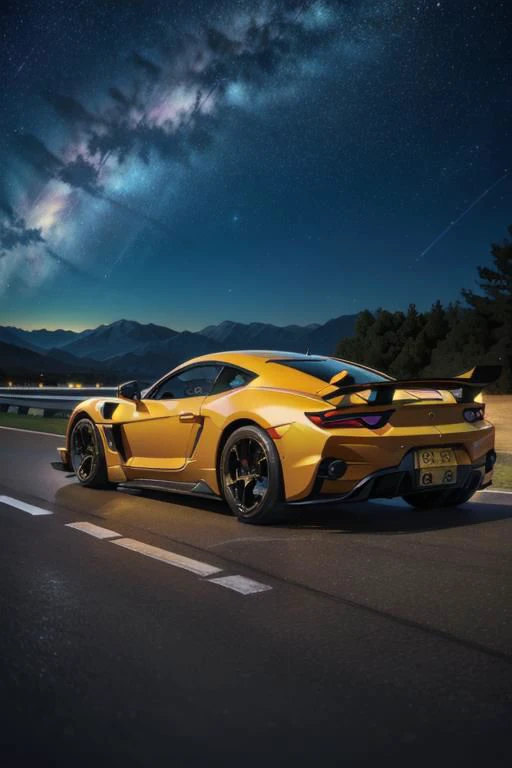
(250, 474)
(87, 456)
(444, 498)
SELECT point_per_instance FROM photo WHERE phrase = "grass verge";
(35, 423)
(502, 476)
(498, 410)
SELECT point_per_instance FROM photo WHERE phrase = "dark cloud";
(220, 44)
(143, 140)
(117, 95)
(12, 236)
(35, 153)
(81, 174)
(14, 232)
(119, 139)
(150, 69)
(262, 49)
(70, 109)
(257, 55)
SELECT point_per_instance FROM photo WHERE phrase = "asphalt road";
(368, 634)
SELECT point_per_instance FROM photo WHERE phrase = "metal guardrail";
(50, 398)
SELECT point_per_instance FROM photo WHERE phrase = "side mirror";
(130, 390)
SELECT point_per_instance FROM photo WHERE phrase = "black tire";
(86, 455)
(250, 476)
(444, 498)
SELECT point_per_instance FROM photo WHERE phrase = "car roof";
(268, 354)
(253, 359)
(280, 376)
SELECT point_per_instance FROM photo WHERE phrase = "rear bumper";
(398, 481)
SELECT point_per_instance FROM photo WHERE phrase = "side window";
(192, 382)
(231, 378)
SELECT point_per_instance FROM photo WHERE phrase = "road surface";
(140, 629)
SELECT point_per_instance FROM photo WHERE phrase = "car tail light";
(474, 414)
(338, 418)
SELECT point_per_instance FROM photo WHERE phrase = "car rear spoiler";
(467, 385)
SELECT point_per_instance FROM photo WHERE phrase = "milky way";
(111, 162)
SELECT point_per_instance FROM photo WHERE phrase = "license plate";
(437, 466)
(431, 458)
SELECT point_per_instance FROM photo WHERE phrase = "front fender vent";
(108, 409)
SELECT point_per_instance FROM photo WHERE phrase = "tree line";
(445, 340)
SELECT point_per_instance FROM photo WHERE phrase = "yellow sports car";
(264, 429)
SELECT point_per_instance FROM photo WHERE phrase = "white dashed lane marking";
(30, 508)
(241, 584)
(236, 583)
(94, 530)
(171, 558)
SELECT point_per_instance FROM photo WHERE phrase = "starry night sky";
(192, 161)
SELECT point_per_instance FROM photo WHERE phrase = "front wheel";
(87, 456)
(250, 475)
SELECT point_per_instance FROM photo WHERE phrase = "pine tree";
(497, 286)
(444, 340)
(495, 307)
(436, 326)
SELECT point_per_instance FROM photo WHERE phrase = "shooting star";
(462, 215)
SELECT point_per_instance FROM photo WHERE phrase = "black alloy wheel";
(250, 474)
(87, 456)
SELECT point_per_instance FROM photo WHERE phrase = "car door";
(164, 426)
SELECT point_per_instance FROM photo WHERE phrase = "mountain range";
(127, 348)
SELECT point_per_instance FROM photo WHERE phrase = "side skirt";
(200, 488)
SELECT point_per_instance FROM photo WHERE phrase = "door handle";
(187, 416)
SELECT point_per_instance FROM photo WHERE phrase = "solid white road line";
(171, 558)
(24, 507)
(34, 432)
(496, 490)
(94, 530)
(241, 584)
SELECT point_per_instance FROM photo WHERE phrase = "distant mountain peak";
(148, 349)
